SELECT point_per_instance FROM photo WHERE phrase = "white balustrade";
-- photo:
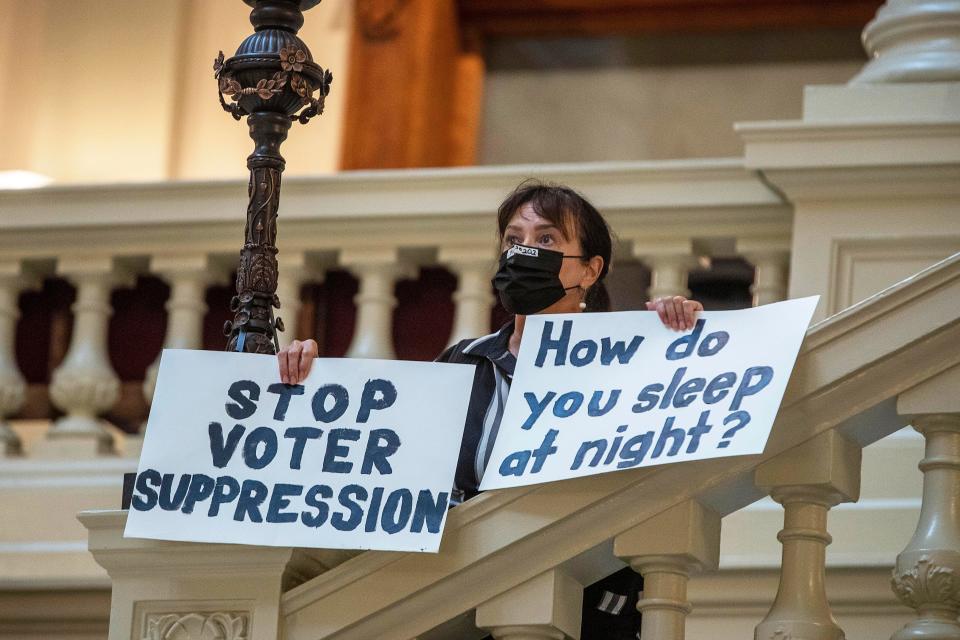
(12, 384)
(378, 271)
(546, 607)
(669, 262)
(664, 521)
(807, 481)
(666, 550)
(85, 384)
(913, 41)
(473, 299)
(418, 213)
(927, 573)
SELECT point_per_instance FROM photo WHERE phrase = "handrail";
(423, 207)
(848, 374)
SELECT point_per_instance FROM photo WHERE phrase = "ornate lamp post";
(272, 80)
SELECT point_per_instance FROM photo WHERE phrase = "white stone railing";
(513, 561)
(379, 225)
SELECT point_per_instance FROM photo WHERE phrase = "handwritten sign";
(599, 392)
(361, 455)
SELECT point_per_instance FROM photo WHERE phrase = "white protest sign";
(360, 455)
(593, 393)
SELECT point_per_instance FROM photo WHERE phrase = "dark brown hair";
(570, 211)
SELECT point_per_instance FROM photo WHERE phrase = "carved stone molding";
(220, 625)
(928, 582)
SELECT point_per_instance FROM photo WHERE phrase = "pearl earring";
(583, 305)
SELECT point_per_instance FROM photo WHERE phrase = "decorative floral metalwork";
(292, 61)
(273, 81)
(927, 583)
(314, 105)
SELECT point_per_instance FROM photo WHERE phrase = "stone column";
(546, 607)
(666, 549)
(378, 271)
(85, 384)
(913, 41)
(290, 278)
(188, 277)
(927, 574)
(770, 275)
(807, 480)
(13, 387)
(473, 297)
(669, 263)
(296, 269)
(770, 257)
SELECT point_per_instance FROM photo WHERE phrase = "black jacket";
(488, 397)
(609, 606)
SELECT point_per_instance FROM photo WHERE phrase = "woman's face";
(529, 228)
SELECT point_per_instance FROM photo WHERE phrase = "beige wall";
(655, 96)
(112, 90)
(640, 114)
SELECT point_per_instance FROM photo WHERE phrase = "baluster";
(295, 269)
(546, 607)
(188, 277)
(669, 263)
(473, 298)
(85, 385)
(665, 550)
(927, 574)
(913, 41)
(770, 260)
(378, 271)
(13, 387)
(807, 480)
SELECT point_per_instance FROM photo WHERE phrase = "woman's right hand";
(296, 359)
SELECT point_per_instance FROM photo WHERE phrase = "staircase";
(512, 561)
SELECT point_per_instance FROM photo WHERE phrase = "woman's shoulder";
(455, 353)
(473, 350)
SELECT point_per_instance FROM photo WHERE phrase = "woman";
(556, 253)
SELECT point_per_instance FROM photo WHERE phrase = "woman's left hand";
(676, 312)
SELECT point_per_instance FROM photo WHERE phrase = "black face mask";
(528, 279)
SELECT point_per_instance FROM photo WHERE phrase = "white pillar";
(188, 277)
(13, 387)
(85, 384)
(378, 271)
(927, 574)
(547, 607)
(669, 262)
(913, 41)
(771, 261)
(473, 298)
(807, 480)
(295, 269)
(665, 550)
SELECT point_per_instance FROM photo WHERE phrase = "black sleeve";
(453, 353)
